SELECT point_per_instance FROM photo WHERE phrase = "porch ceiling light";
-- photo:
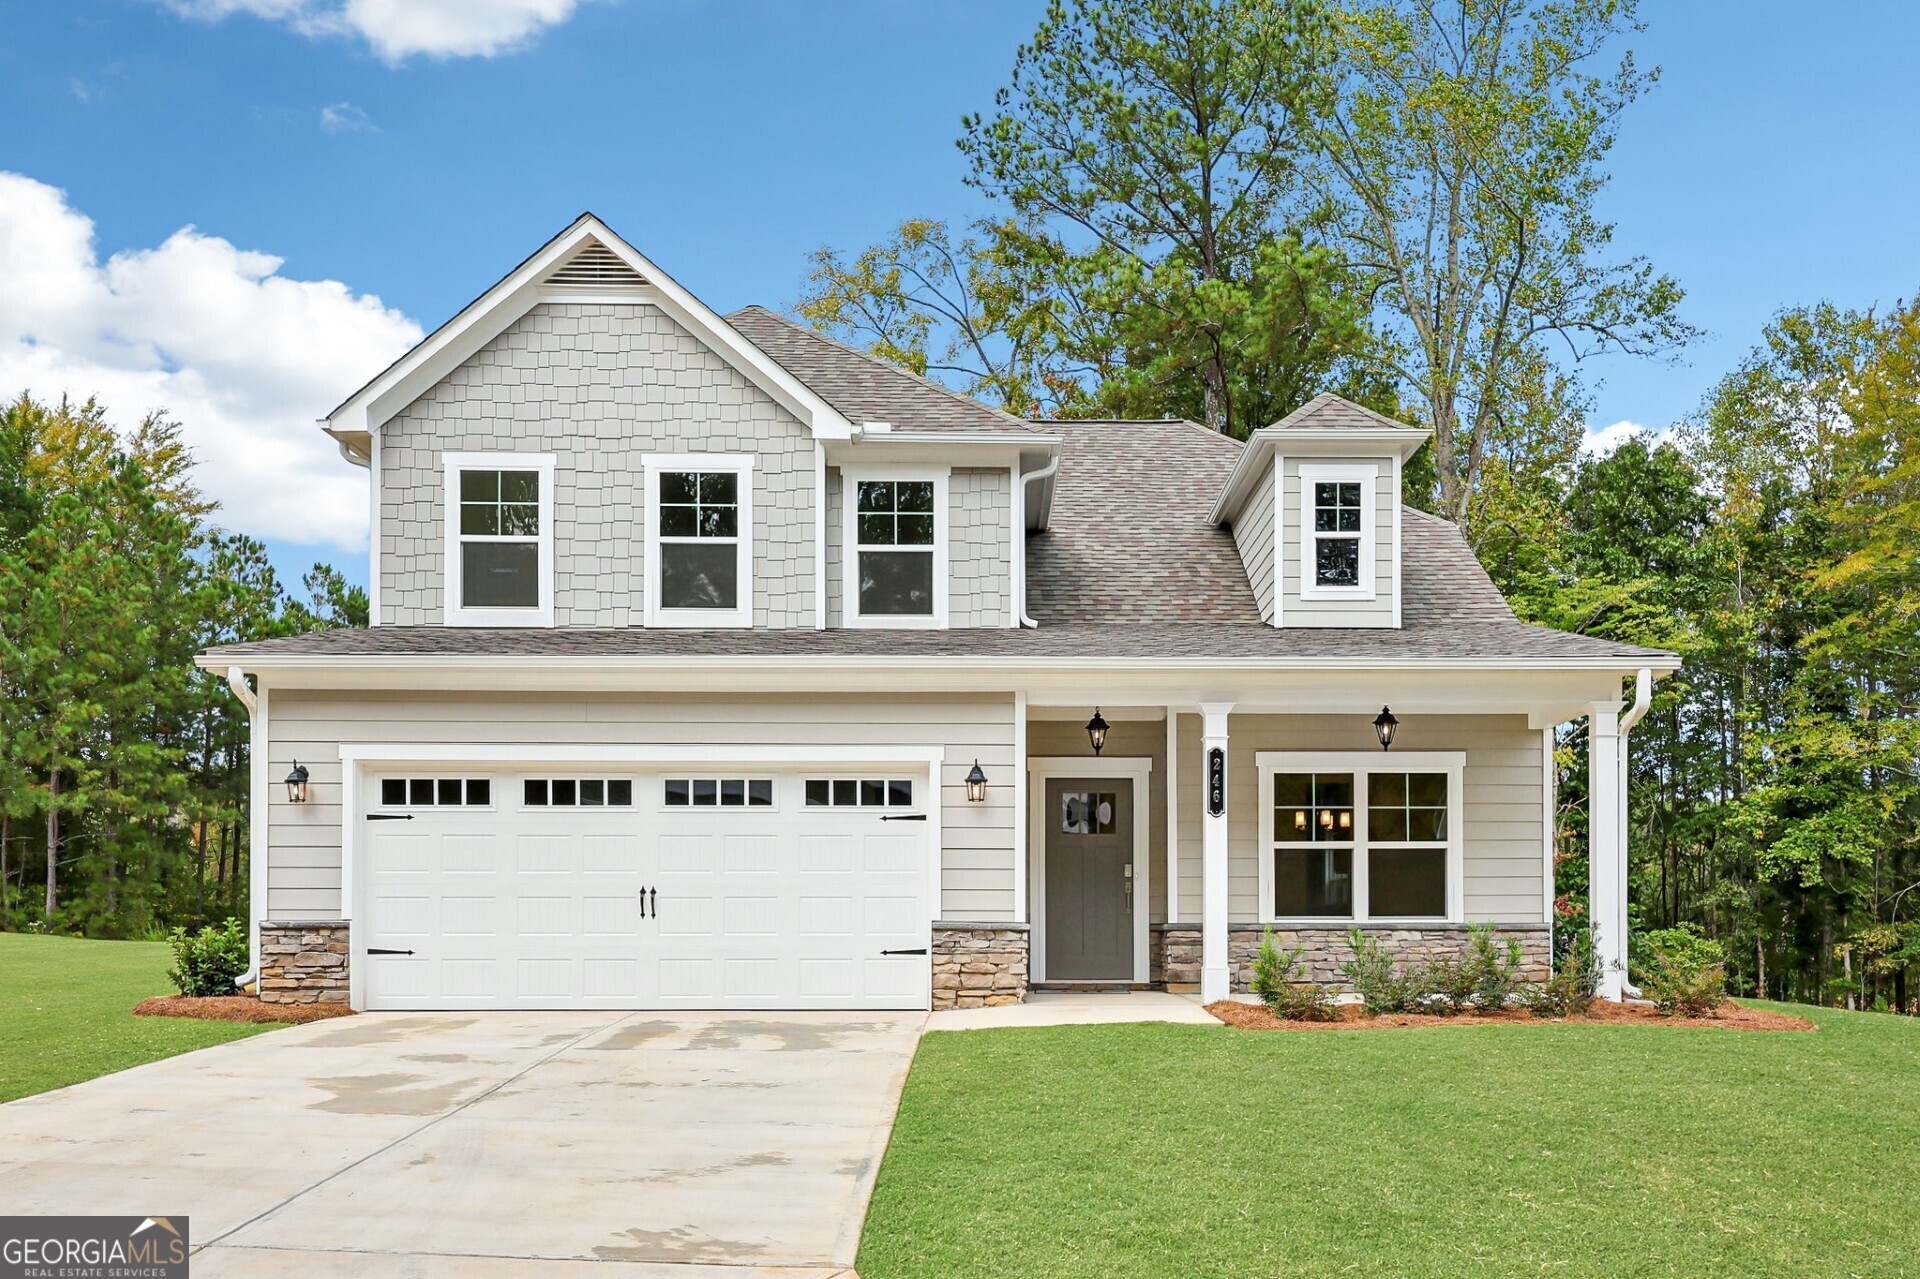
(1386, 725)
(1299, 819)
(976, 784)
(1097, 730)
(297, 784)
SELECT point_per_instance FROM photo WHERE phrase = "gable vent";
(595, 267)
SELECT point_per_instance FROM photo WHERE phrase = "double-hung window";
(699, 540)
(896, 548)
(1336, 531)
(499, 540)
(1361, 837)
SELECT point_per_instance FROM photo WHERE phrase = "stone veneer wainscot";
(303, 962)
(1175, 954)
(976, 965)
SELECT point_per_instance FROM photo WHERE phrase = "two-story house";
(717, 665)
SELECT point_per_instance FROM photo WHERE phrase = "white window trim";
(1368, 478)
(1360, 764)
(456, 613)
(850, 478)
(741, 614)
(1138, 770)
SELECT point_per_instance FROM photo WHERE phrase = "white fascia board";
(1008, 668)
(1303, 441)
(493, 311)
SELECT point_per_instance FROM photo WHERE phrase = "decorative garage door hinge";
(378, 950)
(389, 817)
(921, 951)
(904, 817)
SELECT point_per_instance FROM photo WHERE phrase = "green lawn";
(66, 1011)
(1559, 1150)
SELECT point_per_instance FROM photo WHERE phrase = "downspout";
(1642, 699)
(1046, 472)
(237, 682)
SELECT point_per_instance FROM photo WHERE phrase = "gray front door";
(1089, 827)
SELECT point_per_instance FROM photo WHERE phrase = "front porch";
(1158, 862)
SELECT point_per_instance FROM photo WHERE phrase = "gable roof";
(586, 242)
(1328, 412)
(865, 388)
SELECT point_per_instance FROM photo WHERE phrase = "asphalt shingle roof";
(865, 388)
(1328, 411)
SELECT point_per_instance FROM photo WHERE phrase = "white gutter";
(1046, 472)
(1642, 699)
(256, 790)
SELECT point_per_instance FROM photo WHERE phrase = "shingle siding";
(979, 555)
(600, 385)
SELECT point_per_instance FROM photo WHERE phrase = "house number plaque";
(1216, 782)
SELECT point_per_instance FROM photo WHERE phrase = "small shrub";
(209, 961)
(1277, 982)
(1683, 973)
(1496, 972)
(1449, 985)
(1572, 988)
(1382, 987)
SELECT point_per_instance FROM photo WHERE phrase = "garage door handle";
(389, 817)
(649, 897)
(921, 951)
(375, 950)
(904, 817)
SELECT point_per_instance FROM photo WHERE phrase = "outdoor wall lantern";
(1385, 726)
(1097, 731)
(297, 784)
(1299, 819)
(976, 784)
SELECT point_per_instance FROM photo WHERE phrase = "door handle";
(649, 897)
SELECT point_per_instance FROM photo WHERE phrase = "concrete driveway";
(394, 1145)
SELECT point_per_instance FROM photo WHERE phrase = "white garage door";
(677, 888)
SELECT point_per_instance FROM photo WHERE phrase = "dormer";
(1314, 505)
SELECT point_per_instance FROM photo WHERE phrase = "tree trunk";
(6, 898)
(53, 842)
(1760, 965)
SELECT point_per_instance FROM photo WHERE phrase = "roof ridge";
(875, 360)
(1325, 398)
(1189, 423)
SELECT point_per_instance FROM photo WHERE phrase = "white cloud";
(344, 117)
(245, 358)
(399, 29)
(1603, 440)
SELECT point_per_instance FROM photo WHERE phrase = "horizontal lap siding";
(1503, 804)
(303, 863)
(1253, 534)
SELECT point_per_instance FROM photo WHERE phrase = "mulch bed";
(236, 1008)
(1731, 1016)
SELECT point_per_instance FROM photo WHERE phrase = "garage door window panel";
(436, 792)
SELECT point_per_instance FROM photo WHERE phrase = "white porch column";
(1606, 847)
(1216, 974)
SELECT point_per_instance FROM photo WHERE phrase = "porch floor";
(1079, 1008)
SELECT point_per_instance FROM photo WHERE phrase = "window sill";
(1297, 923)
(904, 622)
(1357, 594)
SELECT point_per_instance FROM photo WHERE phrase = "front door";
(1090, 903)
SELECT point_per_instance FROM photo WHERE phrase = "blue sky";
(405, 151)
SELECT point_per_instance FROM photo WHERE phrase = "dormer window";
(1336, 534)
(499, 539)
(699, 569)
(896, 548)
